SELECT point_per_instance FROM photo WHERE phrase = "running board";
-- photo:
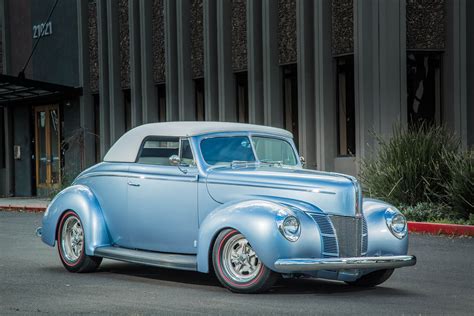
(157, 259)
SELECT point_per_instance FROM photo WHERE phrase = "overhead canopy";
(14, 89)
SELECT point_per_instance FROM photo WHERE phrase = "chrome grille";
(329, 241)
(324, 223)
(349, 235)
(365, 237)
(342, 236)
(330, 245)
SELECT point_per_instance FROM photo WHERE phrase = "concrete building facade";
(332, 72)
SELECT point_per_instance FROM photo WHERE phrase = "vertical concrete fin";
(272, 85)
(149, 92)
(254, 57)
(117, 116)
(86, 102)
(135, 63)
(104, 107)
(226, 80)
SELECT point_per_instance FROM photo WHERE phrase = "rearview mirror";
(303, 161)
(175, 160)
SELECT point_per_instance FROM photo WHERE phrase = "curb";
(414, 227)
(441, 229)
(33, 209)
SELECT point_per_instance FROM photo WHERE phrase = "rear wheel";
(238, 267)
(373, 279)
(71, 245)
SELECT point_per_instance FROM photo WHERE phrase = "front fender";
(256, 220)
(381, 242)
(81, 200)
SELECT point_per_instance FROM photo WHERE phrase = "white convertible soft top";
(126, 147)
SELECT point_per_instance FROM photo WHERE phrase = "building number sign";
(43, 29)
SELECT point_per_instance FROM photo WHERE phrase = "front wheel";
(71, 245)
(237, 266)
(372, 279)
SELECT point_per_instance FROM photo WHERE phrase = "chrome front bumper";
(308, 264)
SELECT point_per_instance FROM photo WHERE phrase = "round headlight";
(396, 222)
(290, 228)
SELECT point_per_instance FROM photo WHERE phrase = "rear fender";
(81, 200)
(256, 220)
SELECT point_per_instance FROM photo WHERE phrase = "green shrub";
(459, 189)
(411, 167)
(426, 212)
(434, 213)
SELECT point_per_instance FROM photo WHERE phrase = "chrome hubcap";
(240, 261)
(72, 239)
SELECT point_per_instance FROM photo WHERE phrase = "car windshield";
(235, 149)
(227, 149)
(274, 151)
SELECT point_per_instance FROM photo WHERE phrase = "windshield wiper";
(242, 163)
(278, 163)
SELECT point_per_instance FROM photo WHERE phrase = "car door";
(162, 198)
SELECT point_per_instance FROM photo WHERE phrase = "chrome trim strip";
(328, 235)
(323, 191)
(357, 193)
(157, 259)
(309, 264)
(182, 178)
(358, 198)
(270, 186)
(103, 174)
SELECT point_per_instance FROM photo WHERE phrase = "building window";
(242, 97)
(161, 102)
(127, 103)
(290, 99)
(199, 99)
(423, 87)
(97, 126)
(345, 101)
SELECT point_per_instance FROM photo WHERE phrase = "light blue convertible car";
(227, 198)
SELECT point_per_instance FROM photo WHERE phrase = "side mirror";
(175, 160)
(303, 161)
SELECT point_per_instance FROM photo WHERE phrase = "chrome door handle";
(133, 184)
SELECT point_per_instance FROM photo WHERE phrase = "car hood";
(333, 193)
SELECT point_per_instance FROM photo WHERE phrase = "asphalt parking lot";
(32, 280)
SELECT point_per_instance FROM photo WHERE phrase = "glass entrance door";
(47, 140)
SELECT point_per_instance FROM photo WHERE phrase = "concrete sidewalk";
(32, 204)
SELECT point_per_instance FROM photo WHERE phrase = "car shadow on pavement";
(327, 287)
(161, 274)
(283, 286)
